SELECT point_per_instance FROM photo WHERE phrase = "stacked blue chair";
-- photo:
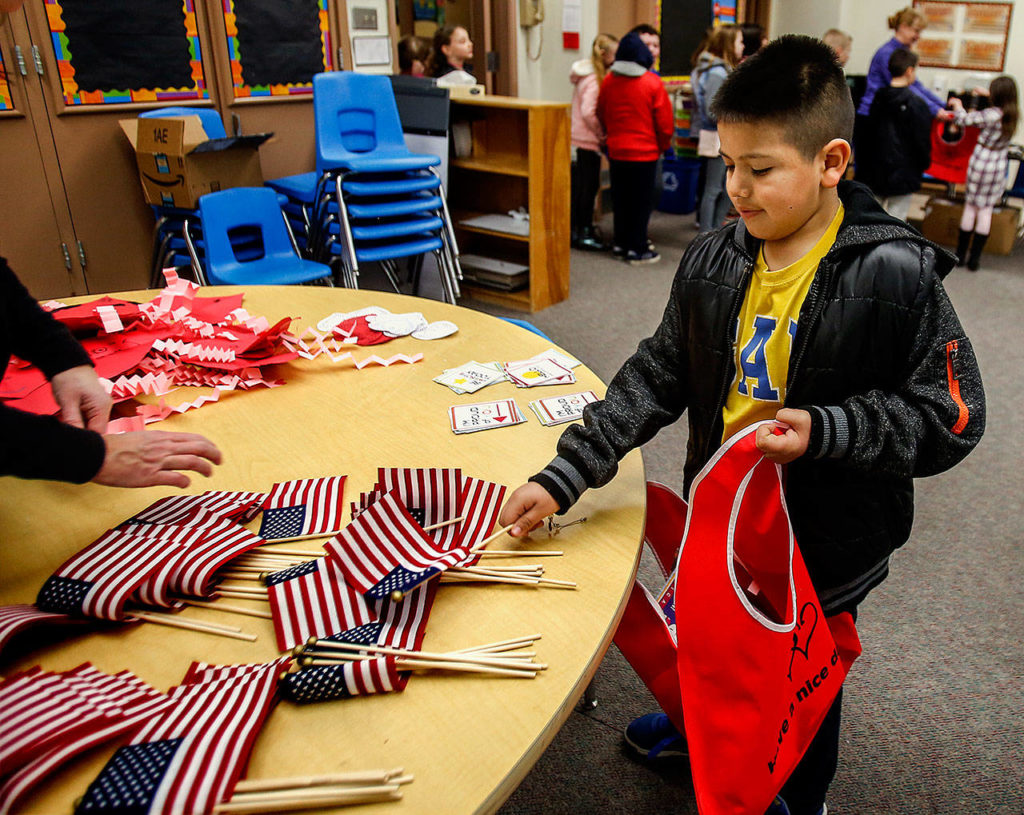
(169, 247)
(374, 200)
(248, 241)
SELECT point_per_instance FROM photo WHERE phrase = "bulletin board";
(5, 90)
(682, 24)
(276, 46)
(118, 51)
(966, 36)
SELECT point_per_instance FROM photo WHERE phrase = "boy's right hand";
(527, 508)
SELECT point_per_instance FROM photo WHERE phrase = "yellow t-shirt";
(765, 331)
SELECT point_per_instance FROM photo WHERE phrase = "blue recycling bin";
(679, 185)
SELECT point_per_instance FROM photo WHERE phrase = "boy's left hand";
(792, 443)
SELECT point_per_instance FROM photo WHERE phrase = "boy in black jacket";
(900, 127)
(816, 309)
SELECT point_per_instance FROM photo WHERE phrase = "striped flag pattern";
(188, 759)
(21, 616)
(313, 600)
(98, 580)
(384, 550)
(403, 624)
(343, 681)
(206, 548)
(179, 509)
(128, 702)
(480, 503)
(309, 506)
(431, 495)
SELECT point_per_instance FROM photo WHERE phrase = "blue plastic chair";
(528, 326)
(255, 214)
(169, 248)
(358, 128)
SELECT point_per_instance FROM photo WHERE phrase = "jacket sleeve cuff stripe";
(830, 432)
(563, 481)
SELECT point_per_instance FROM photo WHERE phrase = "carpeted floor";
(934, 709)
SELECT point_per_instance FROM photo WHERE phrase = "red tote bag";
(758, 664)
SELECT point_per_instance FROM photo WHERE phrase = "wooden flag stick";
(253, 575)
(297, 538)
(503, 644)
(283, 552)
(444, 665)
(432, 527)
(524, 570)
(161, 619)
(519, 553)
(249, 612)
(334, 658)
(331, 645)
(352, 795)
(259, 592)
(450, 579)
(310, 793)
(503, 531)
(393, 776)
(241, 595)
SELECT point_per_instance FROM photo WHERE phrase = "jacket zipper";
(953, 378)
(803, 328)
(729, 369)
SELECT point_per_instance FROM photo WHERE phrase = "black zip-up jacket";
(880, 361)
(34, 446)
(901, 141)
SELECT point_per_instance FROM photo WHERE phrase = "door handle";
(20, 58)
(67, 256)
(37, 57)
(81, 255)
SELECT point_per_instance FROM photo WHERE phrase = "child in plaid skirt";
(986, 172)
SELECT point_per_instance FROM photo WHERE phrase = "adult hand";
(151, 458)
(791, 443)
(82, 400)
(946, 115)
(527, 508)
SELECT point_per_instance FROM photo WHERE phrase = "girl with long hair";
(986, 172)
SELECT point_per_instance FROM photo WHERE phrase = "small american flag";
(205, 549)
(40, 709)
(17, 618)
(343, 681)
(480, 503)
(127, 701)
(313, 600)
(180, 509)
(310, 506)
(98, 580)
(188, 759)
(431, 495)
(403, 624)
(384, 550)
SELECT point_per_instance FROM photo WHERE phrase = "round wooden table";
(467, 740)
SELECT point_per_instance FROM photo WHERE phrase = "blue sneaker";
(654, 736)
(779, 807)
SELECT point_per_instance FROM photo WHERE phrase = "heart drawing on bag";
(798, 631)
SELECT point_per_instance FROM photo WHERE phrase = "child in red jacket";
(637, 116)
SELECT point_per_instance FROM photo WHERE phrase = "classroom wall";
(548, 76)
(865, 20)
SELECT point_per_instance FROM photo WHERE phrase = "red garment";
(637, 115)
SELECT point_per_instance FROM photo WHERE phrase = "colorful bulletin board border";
(724, 11)
(74, 96)
(965, 36)
(242, 90)
(6, 103)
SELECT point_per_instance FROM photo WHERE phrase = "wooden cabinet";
(517, 156)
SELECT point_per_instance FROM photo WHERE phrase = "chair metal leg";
(389, 269)
(589, 700)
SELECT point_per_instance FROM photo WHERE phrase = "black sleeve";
(41, 446)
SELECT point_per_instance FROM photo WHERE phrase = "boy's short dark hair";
(901, 60)
(645, 28)
(795, 83)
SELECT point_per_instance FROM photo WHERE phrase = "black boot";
(961, 246)
(974, 259)
(591, 241)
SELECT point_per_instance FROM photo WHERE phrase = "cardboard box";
(942, 224)
(178, 163)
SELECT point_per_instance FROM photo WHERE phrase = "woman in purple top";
(907, 25)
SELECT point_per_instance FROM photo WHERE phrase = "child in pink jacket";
(587, 137)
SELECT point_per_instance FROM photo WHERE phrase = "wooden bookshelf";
(519, 157)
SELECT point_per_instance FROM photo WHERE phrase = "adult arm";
(878, 76)
(934, 103)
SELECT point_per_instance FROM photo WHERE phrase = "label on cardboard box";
(177, 163)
